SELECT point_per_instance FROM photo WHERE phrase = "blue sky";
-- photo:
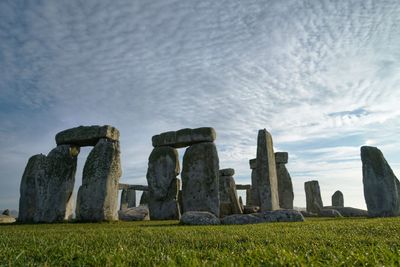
(321, 76)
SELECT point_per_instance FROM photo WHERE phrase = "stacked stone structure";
(48, 181)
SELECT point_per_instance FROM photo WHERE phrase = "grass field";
(332, 242)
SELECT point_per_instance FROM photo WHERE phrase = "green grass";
(332, 242)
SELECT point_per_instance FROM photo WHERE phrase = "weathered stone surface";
(248, 197)
(241, 204)
(97, 196)
(200, 191)
(281, 157)
(35, 170)
(6, 219)
(133, 187)
(250, 209)
(285, 187)
(381, 187)
(351, 212)
(144, 199)
(6, 212)
(184, 137)
(313, 197)
(228, 194)
(253, 163)
(227, 172)
(329, 213)
(263, 217)
(308, 214)
(54, 200)
(267, 181)
(128, 198)
(243, 186)
(255, 197)
(199, 218)
(337, 199)
(161, 175)
(140, 213)
(87, 135)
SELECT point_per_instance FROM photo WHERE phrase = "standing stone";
(267, 181)
(255, 197)
(35, 168)
(313, 197)
(285, 186)
(144, 199)
(381, 187)
(161, 175)
(200, 191)
(54, 200)
(337, 199)
(97, 196)
(128, 198)
(248, 197)
(229, 201)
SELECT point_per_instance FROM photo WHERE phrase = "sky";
(321, 76)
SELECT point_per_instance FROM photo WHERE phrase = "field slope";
(315, 242)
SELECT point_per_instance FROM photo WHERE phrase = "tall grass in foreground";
(332, 242)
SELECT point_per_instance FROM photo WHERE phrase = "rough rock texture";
(337, 199)
(351, 212)
(255, 197)
(241, 203)
(250, 209)
(329, 213)
(285, 186)
(229, 201)
(308, 214)
(184, 137)
(253, 163)
(54, 200)
(97, 196)
(248, 197)
(381, 187)
(281, 157)
(128, 198)
(199, 218)
(87, 135)
(227, 172)
(313, 196)
(267, 181)
(6, 219)
(161, 175)
(200, 191)
(144, 199)
(267, 216)
(140, 213)
(35, 170)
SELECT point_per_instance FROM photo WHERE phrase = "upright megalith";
(128, 198)
(313, 197)
(229, 201)
(267, 182)
(255, 197)
(35, 171)
(97, 196)
(87, 135)
(381, 187)
(337, 199)
(163, 167)
(200, 178)
(285, 186)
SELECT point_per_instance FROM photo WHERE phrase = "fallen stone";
(241, 219)
(97, 196)
(6, 219)
(285, 186)
(281, 157)
(337, 199)
(349, 211)
(140, 213)
(184, 137)
(199, 218)
(87, 135)
(267, 181)
(163, 167)
(264, 217)
(251, 209)
(329, 213)
(381, 186)
(227, 172)
(308, 214)
(200, 190)
(313, 197)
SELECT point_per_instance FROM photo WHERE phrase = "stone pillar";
(285, 186)
(144, 199)
(97, 196)
(381, 186)
(161, 175)
(200, 182)
(337, 199)
(128, 198)
(229, 201)
(248, 197)
(313, 197)
(255, 197)
(267, 181)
